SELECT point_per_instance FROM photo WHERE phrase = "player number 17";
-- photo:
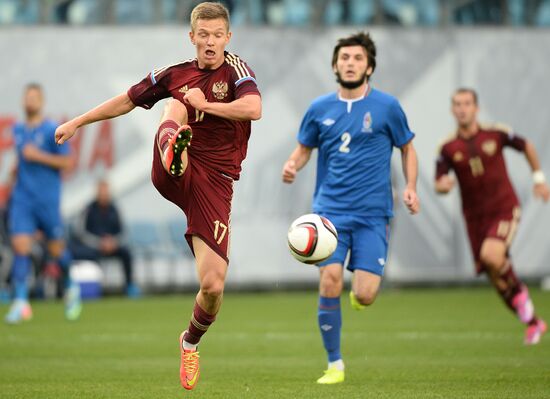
(220, 230)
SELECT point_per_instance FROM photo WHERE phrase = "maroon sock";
(508, 285)
(165, 132)
(200, 321)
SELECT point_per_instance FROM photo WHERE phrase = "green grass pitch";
(432, 343)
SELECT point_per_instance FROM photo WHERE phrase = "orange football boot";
(189, 368)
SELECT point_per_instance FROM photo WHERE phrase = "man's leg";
(20, 309)
(125, 257)
(329, 317)
(173, 138)
(60, 254)
(364, 288)
(211, 269)
(513, 292)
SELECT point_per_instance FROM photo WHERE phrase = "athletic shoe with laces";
(73, 302)
(523, 305)
(177, 144)
(189, 368)
(534, 332)
(354, 302)
(331, 376)
(20, 310)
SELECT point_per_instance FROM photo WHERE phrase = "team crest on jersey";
(458, 156)
(489, 147)
(184, 89)
(367, 123)
(220, 90)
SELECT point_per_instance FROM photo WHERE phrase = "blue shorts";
(365, 238)
(26, 218)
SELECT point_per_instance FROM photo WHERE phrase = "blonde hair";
(209, 10)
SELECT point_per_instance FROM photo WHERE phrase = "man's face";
(352, 66)
(464, 109)
(33, 101)
(210, 37)
(103, 194)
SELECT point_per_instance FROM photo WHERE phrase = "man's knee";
(175, 110)
(22, 245)
(493, 254)
(212, 285)
(493, 260)
(366, 296)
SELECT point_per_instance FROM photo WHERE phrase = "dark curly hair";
(362, 39)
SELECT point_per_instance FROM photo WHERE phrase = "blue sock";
(64, 263)
(20, 273)
(329, 316)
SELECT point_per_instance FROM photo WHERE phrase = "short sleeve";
(398, 126)
(513, 140)
(244, 78)
(151, 89)
(309, 130)
(443, 164)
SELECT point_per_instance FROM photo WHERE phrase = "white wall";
(82, 67)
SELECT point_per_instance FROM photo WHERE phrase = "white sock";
(338, 364)
(188, 346)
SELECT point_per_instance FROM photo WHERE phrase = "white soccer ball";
(312, 238)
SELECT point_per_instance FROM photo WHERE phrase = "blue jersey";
(37, 183)
(355, 139)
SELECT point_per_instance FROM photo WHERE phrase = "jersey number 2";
(346, 138)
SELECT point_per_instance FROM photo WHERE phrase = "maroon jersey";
(480, 169)
(218, 143)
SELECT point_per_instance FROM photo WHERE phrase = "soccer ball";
(312, 238)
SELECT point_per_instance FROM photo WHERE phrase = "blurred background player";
(221, 98)
(489, 203)
(355, 130)
(35, 204)
(99, 233)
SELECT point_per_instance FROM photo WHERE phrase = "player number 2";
(346, 138)
(220, 230)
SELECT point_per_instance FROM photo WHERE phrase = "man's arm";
(410, 171)
(32, 153)
(246, 108)
(540, 188)
(444, 184)
(116, 106)
(443, 181)
(81, 233)
(297, 160)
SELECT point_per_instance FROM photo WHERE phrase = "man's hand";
(32, 153)
(108, 245)
(65, 132)
(444, 184)
(411, 201)
(195, 97)
(289, 171)
(541, 191)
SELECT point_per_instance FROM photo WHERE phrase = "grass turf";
(434, 343)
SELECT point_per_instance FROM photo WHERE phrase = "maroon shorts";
(204, 195)
(501, 226)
